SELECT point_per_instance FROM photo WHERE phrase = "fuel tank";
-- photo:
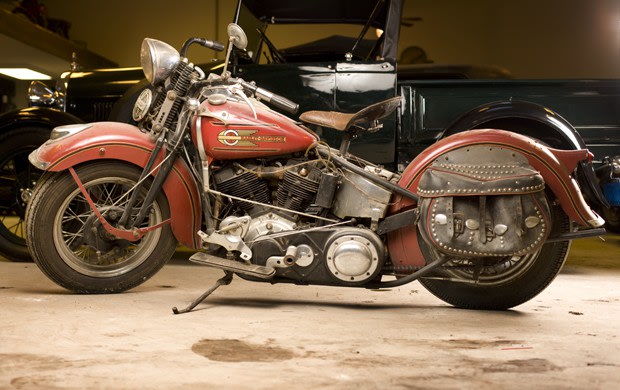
(231, 130)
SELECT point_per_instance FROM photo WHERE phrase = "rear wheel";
(17, 180)
(500, 283)
(70, 245)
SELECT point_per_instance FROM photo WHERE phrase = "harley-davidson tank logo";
(246, 138)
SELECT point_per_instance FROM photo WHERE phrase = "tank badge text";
(246, 138)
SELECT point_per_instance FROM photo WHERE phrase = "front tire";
(502, 283)
(69, 245)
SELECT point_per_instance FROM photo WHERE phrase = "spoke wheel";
(500, 283)
(69, 243)
(17, 180)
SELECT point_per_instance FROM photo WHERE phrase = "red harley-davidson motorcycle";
(483, 219)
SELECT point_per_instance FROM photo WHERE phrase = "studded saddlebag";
(483, 210)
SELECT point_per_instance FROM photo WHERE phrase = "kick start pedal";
(258, 271)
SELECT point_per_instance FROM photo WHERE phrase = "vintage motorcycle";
(483, 219)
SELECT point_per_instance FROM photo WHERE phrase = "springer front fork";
(127, 228)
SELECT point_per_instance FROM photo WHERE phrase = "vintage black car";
(344, 67)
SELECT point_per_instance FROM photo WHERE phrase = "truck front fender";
(120, 141)
(37, 116)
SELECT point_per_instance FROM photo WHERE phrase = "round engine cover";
(355, 256)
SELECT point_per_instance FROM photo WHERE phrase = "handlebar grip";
(215, 45)
(278, 101)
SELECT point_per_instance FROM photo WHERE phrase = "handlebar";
(214, 45)
(278, 101)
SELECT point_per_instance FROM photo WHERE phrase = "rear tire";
(504, 282)
(72, 249)
(17, 179)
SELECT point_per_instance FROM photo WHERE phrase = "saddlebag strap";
(467, 180)
(482, 205)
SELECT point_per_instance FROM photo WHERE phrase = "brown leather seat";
(343, 121)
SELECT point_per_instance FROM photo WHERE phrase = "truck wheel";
(503, 282)
(71, 247)
(612, 218)
(17, 180)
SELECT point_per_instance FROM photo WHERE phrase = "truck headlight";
(40, 94)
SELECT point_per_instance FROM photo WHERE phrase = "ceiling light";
(24, 74)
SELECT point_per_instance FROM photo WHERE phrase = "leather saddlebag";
(480, 210)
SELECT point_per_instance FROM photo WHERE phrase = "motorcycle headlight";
(158, 59)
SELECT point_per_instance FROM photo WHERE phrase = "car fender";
(119, 141)
(554, 165)
(38, 116)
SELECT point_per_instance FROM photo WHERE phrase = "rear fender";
(123, 142)
(556, 167)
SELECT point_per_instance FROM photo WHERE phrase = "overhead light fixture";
(24, 74)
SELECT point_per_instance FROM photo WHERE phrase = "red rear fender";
(556, 167)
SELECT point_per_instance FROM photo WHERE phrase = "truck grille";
(101, 111)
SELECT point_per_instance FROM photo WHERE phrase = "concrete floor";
(255, 336)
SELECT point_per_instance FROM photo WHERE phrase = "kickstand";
(224, 281)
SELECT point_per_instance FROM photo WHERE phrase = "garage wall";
(532, 38)
(116, 28)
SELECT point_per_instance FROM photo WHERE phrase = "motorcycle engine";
(293, 186)
(332, 255)
(472, 208)
(337, 256)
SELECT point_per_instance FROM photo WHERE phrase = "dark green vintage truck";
(345, 66)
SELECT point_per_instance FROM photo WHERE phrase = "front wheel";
(499, 283)
(71, 247)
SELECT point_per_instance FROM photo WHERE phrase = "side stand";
(224, 281)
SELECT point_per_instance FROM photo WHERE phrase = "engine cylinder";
(242, 184)
(298, 188)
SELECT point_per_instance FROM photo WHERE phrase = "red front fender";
(556, 167)
(120, 141)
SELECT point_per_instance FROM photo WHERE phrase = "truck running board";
(578, 234)
(258, 271)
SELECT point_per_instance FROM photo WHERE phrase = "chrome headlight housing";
(158, 59)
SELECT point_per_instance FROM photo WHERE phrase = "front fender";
(39, 116)
(554, 165)
(120, 141)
